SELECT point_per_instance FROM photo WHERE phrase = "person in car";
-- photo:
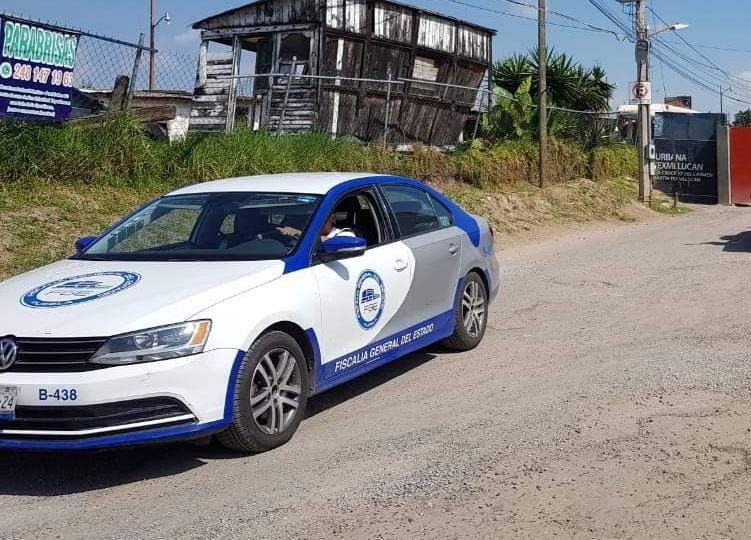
(330, 230)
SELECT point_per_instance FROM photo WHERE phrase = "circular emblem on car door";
(8, 353)
(79, 289)
(370, 297)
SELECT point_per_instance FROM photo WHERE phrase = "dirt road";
(610, 398)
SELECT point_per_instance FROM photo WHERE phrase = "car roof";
(310, 183)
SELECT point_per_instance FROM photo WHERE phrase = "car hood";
(75, 298)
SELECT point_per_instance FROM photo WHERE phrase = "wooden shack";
(350, 47)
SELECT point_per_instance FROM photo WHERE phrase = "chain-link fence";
(282, 104)
(101, 59)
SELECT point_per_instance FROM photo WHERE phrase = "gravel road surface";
(610, 398)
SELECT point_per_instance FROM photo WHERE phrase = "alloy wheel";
(473, 308)
(275, 391)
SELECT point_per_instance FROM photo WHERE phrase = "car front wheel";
(271, 394)
(470, 315)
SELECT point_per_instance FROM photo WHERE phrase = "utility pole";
(152, 58)
(542, 61)
(645, 118)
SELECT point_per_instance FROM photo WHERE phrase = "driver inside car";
(330, 230)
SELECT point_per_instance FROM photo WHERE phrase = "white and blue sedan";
(220, 308)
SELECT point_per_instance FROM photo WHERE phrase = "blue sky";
(709, 25)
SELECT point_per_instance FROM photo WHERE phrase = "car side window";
(445, 217)
(415, 210)
(358, 214)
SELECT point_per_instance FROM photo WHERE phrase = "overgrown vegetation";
(61, 182)
(118, 152)
(571, 86)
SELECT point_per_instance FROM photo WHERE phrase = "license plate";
(8, 399)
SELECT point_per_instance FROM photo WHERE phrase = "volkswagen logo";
(8, 353)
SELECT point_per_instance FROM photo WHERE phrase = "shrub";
(117, 151)
(613, 161)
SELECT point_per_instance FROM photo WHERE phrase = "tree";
(743, 118)
(512, 116)
(570, 86)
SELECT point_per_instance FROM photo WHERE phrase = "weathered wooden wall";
(400, 42)
(396, 22)
(375, 39)
(212, 92)
(266, 12)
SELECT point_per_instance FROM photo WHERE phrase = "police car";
(220, 308)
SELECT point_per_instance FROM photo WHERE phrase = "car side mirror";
(341, 247)
(84, 242)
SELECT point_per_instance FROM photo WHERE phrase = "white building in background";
(628, 115)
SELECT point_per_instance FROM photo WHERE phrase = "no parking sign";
(641, 93)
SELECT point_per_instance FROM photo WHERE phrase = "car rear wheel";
(470, 315)
(271, 394)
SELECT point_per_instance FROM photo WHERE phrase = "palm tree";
(570, 85)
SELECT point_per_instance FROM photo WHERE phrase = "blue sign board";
(36, 70)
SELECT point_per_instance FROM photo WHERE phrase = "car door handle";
(400, 265)
(453, 249)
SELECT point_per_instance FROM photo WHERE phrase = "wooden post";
(232, 98)
(203, 56)
(286, 96)
(337, 93)
(119, 98)
(134, 73)
(543, 88)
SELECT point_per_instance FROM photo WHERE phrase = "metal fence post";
(286, 96)
(134, 73)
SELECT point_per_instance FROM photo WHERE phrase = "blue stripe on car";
(301, 258)
(324, 378)
(325, 374)
(138, 437)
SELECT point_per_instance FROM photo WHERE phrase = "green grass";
(118, 152)
(60, 182)
(666, 206)
(39, 221)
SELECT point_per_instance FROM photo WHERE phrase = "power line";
(612, 17)
(713, 47)
(711, 65)
(585, 26)
(662, 66)
(665, 57)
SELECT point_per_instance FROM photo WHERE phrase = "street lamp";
(152, 54)
(669, 28)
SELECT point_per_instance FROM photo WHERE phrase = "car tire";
(470, 314)
(273, 375)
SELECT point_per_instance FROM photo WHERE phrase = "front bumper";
(125, 405)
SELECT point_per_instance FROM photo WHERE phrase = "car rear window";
(416, 211)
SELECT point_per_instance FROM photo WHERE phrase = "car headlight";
(155, 344)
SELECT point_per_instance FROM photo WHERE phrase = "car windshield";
(212, 226)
